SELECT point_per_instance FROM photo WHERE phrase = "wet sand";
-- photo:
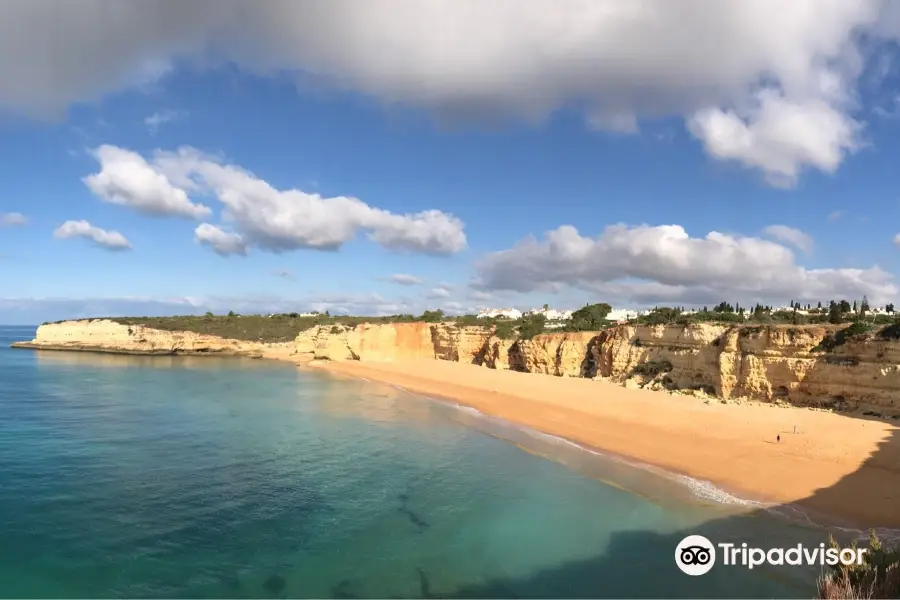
(836, 465)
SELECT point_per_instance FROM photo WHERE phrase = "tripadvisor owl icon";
(695, 555)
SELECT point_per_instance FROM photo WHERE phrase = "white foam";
(699, 488)
(471, 411)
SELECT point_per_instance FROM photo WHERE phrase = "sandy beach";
(836, 465)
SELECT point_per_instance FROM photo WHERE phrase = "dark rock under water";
(414, 518)
(275, 584)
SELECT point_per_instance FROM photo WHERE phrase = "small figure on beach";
(778, 438)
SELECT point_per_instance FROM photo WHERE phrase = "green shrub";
(591, 317)
(504, 330)
(660, 316)
(652, 368)
(891, 332)
(840, 337)
(432, 316)
(877, 577)
(532, 325)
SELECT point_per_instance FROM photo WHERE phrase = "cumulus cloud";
(791, 236)
(12, 219)
(127, 179)
(405, 279)
(262, 216)
(223, 243)
(779, 137)
(110, 240)
(777, 95)
(658, 264)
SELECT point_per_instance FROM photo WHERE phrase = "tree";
(591, 317)
(231, 313)
(432, 316)
(662, 315)
(834, 313)
(845, 306)
(532, 325)
(723, 307)
(546, 307)
(864, 305)
(209, 313)
(889, 308)
(819, 305)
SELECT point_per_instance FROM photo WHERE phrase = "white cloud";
(836, 215)
(222, 242)
(657, 264)
(262, 216)
(359, 304)
(791, 236)
(621, 61)
(480, 295)
(778, 136)
(157, 119)
(438, 292)
(13, 219)
(110, 240)
(897, 240)
(127, 179)
(405, 279)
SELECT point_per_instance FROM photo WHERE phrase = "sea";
(210, 477)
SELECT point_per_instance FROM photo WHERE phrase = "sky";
(402, 155)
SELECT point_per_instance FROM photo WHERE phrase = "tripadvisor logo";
(696, 555)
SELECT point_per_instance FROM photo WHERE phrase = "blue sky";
(639, 188)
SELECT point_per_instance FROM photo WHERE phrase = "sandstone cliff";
(102, 335)
(770, 363)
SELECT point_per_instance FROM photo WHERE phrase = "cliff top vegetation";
(284, 327)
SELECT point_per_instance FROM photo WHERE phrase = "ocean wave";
(700, 489)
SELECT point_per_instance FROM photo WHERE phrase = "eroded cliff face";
(395, 341)
(768, 363)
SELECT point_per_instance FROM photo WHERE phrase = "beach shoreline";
(733, 447)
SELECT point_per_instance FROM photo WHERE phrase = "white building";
(551, 314)
(624, 314)
(495, 313)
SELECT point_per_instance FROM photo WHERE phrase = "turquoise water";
(214, 477)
